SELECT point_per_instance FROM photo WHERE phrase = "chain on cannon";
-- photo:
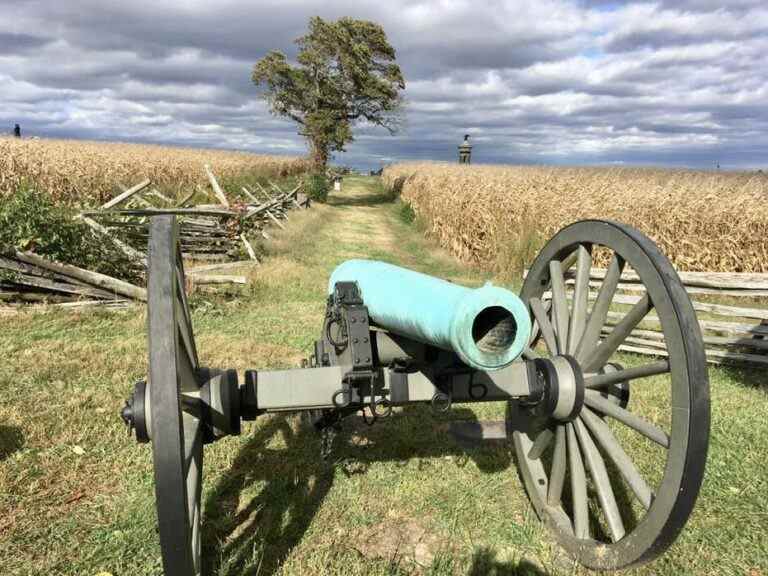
(583, 415)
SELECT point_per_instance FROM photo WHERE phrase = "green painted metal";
(488, 327)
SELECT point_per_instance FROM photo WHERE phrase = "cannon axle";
(222, 404)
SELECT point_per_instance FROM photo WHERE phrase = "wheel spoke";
(535, 330)
(192, 440)
(578, 486)
(580, 299)
(545, 325)
(606, 349)
(181, 284)
(193, 458)
(186, 373)
(185, 334)
(569, 260)
(602, 433)
(196, 539)
(599, 474)
(191, 404)
(184, 319)
(560, 312)
(600, 309)
(557, 476)
(594, 400)
(540, 444)
(599, 381)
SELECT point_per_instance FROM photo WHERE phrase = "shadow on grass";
(749, 377)
(11, 440)
(250, 536)
(484, 563)
(261, 508)
(416, 433)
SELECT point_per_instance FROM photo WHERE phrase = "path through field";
(76, 493)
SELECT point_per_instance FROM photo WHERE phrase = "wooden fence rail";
(732, 309)
(206, 232)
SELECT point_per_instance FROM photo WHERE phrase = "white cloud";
(548, 80)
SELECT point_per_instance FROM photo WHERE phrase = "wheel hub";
(563, 387)
(135, 412)
(219, 399)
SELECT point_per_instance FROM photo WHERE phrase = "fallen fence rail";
(30, 278)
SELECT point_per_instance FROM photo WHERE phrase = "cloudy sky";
(539, 81)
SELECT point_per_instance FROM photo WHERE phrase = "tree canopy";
(345, 73)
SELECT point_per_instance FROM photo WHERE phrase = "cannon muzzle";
(488, 327)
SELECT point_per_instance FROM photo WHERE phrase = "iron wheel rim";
(176, 415)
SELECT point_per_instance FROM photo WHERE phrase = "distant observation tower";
(465, 151)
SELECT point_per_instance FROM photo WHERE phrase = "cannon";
(610, 447)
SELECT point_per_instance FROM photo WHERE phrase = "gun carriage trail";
(401, 497)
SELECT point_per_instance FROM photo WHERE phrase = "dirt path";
(362, 222)
(362, 211)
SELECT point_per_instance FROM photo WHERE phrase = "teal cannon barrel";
(486, 327)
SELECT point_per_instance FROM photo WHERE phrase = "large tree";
(345, 73)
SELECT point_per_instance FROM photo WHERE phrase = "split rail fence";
(735, 332)
(213, 232)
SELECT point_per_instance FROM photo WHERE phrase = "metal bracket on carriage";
(362, 385)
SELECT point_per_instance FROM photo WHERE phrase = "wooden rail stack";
(732, 310)
(214, 232)
(207, 231)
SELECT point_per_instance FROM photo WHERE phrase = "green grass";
(76, 493)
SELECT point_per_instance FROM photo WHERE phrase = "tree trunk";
(319, 153)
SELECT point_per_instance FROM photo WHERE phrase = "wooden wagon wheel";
(616, 479)
(177, 430)
(181, 407)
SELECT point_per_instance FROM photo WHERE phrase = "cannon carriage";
(582, 421)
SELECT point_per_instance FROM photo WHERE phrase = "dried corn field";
(704, 221)
(84, 172)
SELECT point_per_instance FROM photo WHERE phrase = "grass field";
(76, 493)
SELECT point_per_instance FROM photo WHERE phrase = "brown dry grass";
(83, 172)
(703, 221)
